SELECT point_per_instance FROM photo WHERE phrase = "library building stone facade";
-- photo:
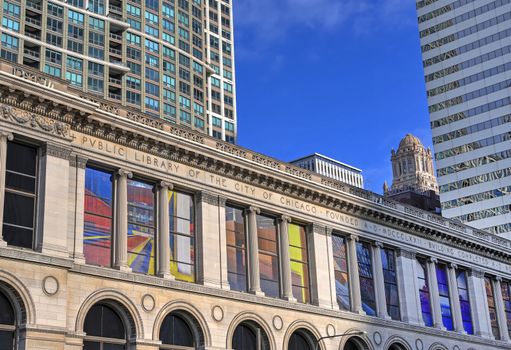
(120, 231)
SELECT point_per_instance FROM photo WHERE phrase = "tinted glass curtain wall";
(236, 249)
(98, 220)
(299, 262)
(141, 227)
(342, 286)
(182, 236)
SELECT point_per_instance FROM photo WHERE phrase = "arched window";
(104, 329)
(301, 340)
(7, 324)
(175, 331)
(355, 343)
(397, 347)
(249, 336)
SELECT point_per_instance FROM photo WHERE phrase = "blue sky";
(338, 77)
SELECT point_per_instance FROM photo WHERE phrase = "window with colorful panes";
(463, 295)
(236, 248)
(268, 256)
(182, 236)
(365, 269)
(388, 258)
(445, 300)
(342, 287)
(299, 257)
(424, 294)
(492, 308)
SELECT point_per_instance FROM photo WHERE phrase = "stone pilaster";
(379, 283)
(434, 294)
(77, 167)
(321, 266)
(479, 304)
(285, 262)
(121, 214)
(455, 299)
(4, 137)
(501, 312)
(53, 200)
(163, 230)
(254, 285)
(208, 245)
(355, 296)
(409, 301)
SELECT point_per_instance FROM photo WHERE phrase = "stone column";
(253, 252)
(208, 245)
(455, 299)
(163, 230)
(409, 301)
(4, 137)
(501, 312)
(356, 298)
(434, 294)
(53, 201)
(77, 167)
(285, 261)
(479, 304)
(121, 214)
(379, 283)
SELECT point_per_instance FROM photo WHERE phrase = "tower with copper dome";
(414, 181)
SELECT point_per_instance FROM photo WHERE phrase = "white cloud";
(263, 22)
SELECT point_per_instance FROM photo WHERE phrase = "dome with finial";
(410, 141)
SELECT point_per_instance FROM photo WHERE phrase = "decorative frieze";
(208, 198)
(34, 121)
(57, 151)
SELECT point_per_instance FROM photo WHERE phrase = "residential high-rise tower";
(466, 51)
(171, 59)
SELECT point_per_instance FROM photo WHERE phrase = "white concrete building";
(466, 51)
(331, 168)
(120, 233)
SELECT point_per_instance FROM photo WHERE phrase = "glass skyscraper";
(171, 59)
(466, 51)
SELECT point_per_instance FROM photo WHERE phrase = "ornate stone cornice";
(222, 201)
(34, 121)
(78, 161)
(408, 254)
(476, 273)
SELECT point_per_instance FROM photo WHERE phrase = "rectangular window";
(365, 269)
(466, 315)
(98, 217)
(268, 256)
(182, 236)
(236, 248)
(445, 301)
(342, 286)
(299, 263)
(492, 308)
(422, 280)
(20, 195)
(141, 227)
(388, 257)
(506, 295)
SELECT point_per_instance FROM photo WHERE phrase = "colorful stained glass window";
(445, 301)
(236, 249)
(141, 227)
(268, 256)
(182, 236)
(466, 315)
(422, 281)
(97, 229)
(365, 269)
(299, 262)
(492, 308)
(342, 286)
(388, 258)
(506, 295)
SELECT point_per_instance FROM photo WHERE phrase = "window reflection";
(365, 268)
(342, 287)
(422, 281)
(236, 249)
(268, 256)
(299, 262)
